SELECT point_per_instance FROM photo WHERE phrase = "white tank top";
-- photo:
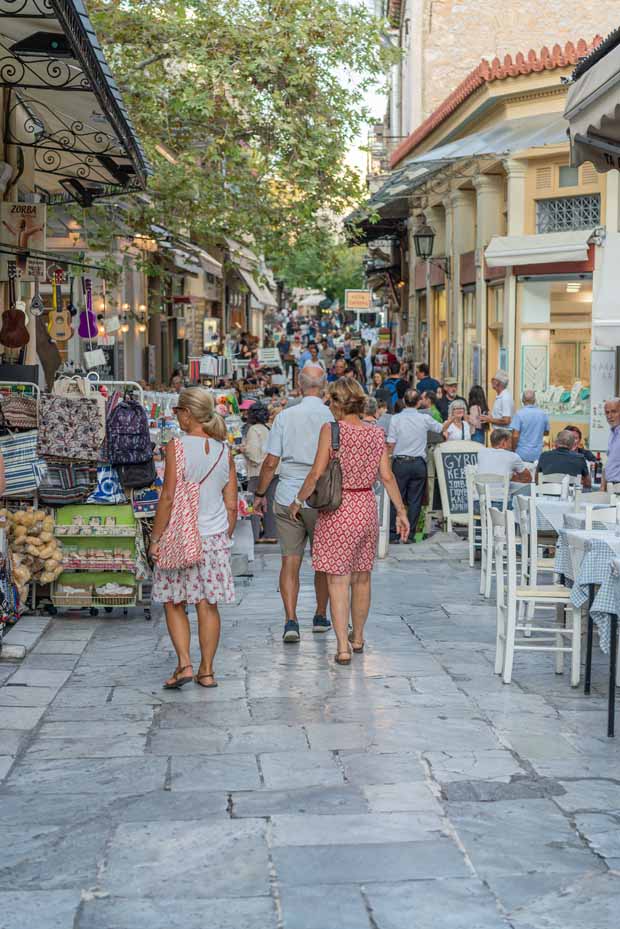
(212, 516)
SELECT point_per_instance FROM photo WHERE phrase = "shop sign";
(358, 300)
(23, 228)
(451, 459)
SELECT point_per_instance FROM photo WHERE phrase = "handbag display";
(109, 489)
(81, 388)
(181, 545)
(20, 412)
(67, 482)
(137, 476)
(21, 466)
(70, 429)
(327, 495)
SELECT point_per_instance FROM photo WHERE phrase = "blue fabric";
(531, 423)
(478, 436)
(427, 383)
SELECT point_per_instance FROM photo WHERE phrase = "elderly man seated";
(563, 459)
(500, 459)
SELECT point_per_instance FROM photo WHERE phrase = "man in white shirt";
(501, 460)
(292, 444)
(407, 440)
(503, 407)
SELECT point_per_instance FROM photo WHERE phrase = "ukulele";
(87, 328)
(13, 333)
(37, 307)
(59, 327)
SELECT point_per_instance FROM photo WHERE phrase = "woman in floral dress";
(345, 540)
(206, 460)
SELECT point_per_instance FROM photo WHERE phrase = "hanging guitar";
(13, 333)
(87, 328)
(59, 326)
(37, 307)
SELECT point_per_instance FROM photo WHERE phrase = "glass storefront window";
(555, 330)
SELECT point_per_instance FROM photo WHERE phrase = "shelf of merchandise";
(86, 570)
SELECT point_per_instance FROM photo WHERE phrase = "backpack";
(128, 438)
(391, 384)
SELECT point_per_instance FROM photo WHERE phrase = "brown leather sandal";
(356, 648)
(199, 677)
(179, 681)
(340, 660)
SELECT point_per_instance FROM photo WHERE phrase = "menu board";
(602, 388)
(451, 459)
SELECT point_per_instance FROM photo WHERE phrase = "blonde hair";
(200, 404)
(347, 395)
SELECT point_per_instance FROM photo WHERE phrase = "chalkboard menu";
(451, 459)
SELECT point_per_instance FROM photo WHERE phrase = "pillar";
(516, 172)
(489, 222)
(461, 238)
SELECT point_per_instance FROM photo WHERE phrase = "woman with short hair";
(345, 540)
(206, 461)
(459, 427)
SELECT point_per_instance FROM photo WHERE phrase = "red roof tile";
(487, 73)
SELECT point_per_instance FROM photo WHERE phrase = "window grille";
(561, 214)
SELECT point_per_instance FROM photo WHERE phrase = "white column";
(489, 222)
(516, 172)
(463, 239)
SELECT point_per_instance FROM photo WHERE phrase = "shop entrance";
(439, 334)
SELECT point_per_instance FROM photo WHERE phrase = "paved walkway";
(412, 791)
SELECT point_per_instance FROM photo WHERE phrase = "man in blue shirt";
(425, 381)
(529, 425)
(612, 465)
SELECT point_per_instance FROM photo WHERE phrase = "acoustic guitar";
(59, 327)
(13, 333)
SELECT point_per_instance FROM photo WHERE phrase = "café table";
(585, 557)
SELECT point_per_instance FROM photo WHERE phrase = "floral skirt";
(210, 580)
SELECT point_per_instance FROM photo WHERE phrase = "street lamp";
(423, 242)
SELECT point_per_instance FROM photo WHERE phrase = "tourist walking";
(200, 457)
(529, 426)
(477, 406)
(345, 541)
(292, 446)
(407, 439)
(255, 451)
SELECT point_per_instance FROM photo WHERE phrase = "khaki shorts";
(294, 533)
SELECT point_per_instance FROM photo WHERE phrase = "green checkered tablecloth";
(601, 549)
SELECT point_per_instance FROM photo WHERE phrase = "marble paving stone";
(104, 712)
(215, 772)
(323, 801)
(190, 741)
(28, 808)
(99, 729)
(26, 696)
(47, 749)
(406, 797)
(54, 645)
(282, 770)
(590, 795)
(119, 776)
(342, 736)
(183, 859)
(379, 768)
(35, 677)
(170, 806)
(172, 913)
(346, 864)
(226, 714)
(6, 761)
(75, 697)
(353, 829)
(21, 717)
(496, 765)
(511, 837)
(591, 901)
(51, 857)
(464, 903)
(11, 740)
(54, 909)
(321, 907)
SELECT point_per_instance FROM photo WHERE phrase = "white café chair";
(608, 515)
(613, 488)
(532, 561)
(512, 634)
(474, 526)
(556, 485)
(491, 489)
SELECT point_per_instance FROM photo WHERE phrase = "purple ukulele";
(87, 328)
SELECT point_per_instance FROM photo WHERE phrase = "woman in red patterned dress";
(345, 540)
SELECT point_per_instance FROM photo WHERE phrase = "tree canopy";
(246, 109)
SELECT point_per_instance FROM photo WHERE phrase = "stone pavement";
(411, 791)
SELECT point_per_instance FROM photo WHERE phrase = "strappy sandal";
(343, 661)
(356, 648)
(179, 681)
(199, 677)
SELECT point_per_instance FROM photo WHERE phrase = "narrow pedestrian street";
(411, 790)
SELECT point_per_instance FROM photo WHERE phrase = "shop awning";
(547, 248)
(512, 135)
(64, 105)
(251, 283)
(593, 107)
(209, 264)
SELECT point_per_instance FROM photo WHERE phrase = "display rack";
(99, 553)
